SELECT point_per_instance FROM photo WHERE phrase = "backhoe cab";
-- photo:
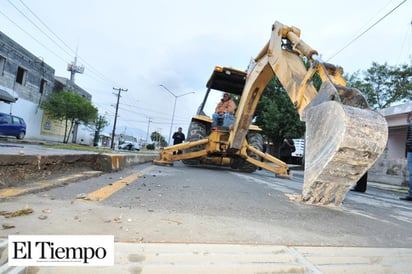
(210, 146)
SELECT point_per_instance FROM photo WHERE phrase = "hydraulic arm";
(343, 136)
(343, 139)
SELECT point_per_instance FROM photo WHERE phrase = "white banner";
(61, 250)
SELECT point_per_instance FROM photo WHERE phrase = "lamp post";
(174, 107)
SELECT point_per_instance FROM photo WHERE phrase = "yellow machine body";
(343, 136)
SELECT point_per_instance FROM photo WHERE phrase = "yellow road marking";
(10, 192)
(15, 191)
(106, 191)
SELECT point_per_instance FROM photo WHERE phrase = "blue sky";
(139, 45)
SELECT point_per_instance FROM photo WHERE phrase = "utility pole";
(74, 68)
(147, 134)
(119, 90)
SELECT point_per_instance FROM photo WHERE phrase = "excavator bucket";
(342, 143)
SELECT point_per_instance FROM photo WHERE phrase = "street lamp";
(174, 107)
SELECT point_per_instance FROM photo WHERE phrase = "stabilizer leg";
(166, 156)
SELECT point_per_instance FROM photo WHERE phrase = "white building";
(25, 80)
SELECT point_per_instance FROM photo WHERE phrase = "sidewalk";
(184, 258)
(27, 160)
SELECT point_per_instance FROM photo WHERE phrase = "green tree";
(97, 125)
(70, 108)
(277, 116)
(384, 85)
(275, 113)
(158, 138)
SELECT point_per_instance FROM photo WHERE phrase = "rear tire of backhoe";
(197, 131)
(255, 140)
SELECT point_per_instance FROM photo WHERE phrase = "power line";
(45, 25)
(406, 43)
(91, 68)
(34, 24)
(156, 112)
(31, 36)
(29, 14)
(372, 18)
(360, 35)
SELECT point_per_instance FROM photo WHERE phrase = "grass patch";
(93, 149)
(79, 147)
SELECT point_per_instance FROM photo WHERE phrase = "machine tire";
(197, 131)
(255, 140)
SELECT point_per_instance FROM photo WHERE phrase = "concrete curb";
(115, 162)
(17, 169)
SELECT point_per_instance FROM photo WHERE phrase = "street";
(149, 203)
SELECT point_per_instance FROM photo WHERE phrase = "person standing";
(409, 161)
(178, 138)
(264, 149)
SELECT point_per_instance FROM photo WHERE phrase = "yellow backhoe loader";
(343, 136)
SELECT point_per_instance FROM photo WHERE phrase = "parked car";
(11, 125)
(129, 146)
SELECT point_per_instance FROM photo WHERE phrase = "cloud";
(140, 44)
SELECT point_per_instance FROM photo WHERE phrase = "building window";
(43, 85)
(2, 65)
(21, 76)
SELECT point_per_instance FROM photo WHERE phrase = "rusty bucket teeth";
(342, 143)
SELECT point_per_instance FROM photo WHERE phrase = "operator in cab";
(225, 108)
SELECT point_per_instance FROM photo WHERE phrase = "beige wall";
(391, 167)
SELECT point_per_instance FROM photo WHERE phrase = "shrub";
(150, 147)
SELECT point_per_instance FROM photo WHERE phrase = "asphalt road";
(207, 205)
